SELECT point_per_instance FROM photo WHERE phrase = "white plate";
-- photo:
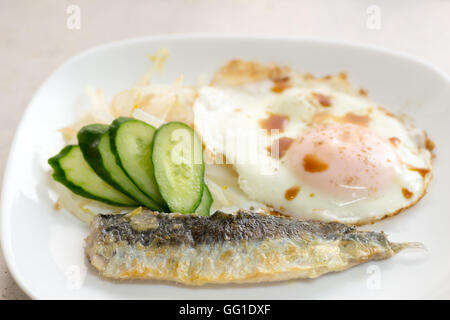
(44, 248)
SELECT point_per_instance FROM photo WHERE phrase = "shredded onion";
(155, 104)
(148, 118)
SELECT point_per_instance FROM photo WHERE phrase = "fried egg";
(314, 149)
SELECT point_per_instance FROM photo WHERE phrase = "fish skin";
(224, 248)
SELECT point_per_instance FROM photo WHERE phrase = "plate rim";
(5, 196)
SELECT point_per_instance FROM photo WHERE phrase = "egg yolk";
(344, 160)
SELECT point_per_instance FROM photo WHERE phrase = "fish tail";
(397, 247)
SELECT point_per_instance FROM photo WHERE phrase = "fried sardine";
(225, 248)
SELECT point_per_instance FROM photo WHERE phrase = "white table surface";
(35, 40)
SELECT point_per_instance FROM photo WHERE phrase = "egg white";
(236, 111)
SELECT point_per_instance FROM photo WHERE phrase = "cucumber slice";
(206, 202)
(178, 161)
(74, 172)
(94, 142)
(131, 144)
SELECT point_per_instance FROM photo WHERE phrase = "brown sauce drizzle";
(406, 193)
(325, 101)
(291, 193)
(356, 119)
(273, 122)
(280, 84)
(349, 117)
(423, 171)
(283, 145)
(394, 140)
(313, 164)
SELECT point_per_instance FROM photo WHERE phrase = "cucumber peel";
(206, 202)
(94, 141)
(70, 169)
(131, 143)
(178, 163)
